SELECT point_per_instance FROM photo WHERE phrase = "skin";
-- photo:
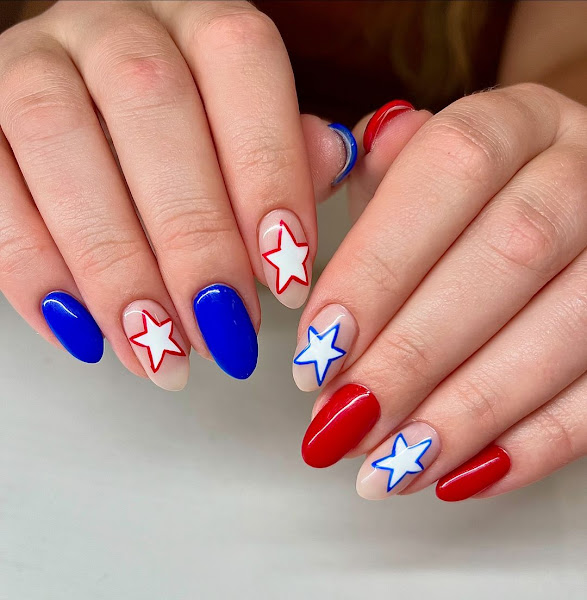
(466, 269)
(480, 205)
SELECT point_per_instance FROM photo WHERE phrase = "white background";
(113, 489)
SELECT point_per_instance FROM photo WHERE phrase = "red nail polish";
(340, 425)
(385, 114)
(472, 477)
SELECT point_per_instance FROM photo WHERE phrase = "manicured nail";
(157, 344)
(73, 326)
(474, 476)
(350, 145)
(396, 462)
(285, 253)
(340, 425)
(383, 116)
(227, 330)
(321, 352)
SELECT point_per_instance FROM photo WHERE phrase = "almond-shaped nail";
(286, 257)
(322, 350)
(382, 117)
(397, 461)
(157, 344)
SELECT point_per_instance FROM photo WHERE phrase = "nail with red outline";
(474, 476)
(286, 257)
(381, 118)
(340, 425)
(157, 344)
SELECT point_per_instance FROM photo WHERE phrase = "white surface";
(112, 489)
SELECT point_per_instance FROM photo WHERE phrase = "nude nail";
(157, 344)
(323, 348)
(286, 257)
(397, 461)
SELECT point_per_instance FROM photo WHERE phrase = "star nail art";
(320, 351)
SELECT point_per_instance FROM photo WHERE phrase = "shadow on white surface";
(113, 489)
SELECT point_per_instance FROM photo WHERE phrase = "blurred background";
(112, 489)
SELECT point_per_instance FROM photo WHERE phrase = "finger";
(332, 154)
(444, 176)
(81, 196)
(386, 132)
(242, 70)
(546, 440)
(525, 365)
(159, 129)
(31, 266)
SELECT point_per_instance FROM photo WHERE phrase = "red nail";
(472, 477)
(340, 425)
(385, 114)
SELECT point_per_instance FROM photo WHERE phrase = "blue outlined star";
(321, 351)
(403, 460)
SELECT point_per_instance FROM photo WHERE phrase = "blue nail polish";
(227, 330)
(350, 145)
(73, 326)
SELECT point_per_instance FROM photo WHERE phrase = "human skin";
(172, 120)
(466, 275)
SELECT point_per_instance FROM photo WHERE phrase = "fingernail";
(383, 116)
(157, 344)
(350, 145)
(227, 330)
(322, 350)
(474, 476)
(285, 253)
(397, 461)
(340, 425)
(73, 326)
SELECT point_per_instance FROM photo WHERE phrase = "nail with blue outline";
(323, 348)
(350, 145)
(227, 330)
(393, 465)
(73, 326)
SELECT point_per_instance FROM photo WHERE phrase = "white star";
(157, 339)
(403, 460)
(289, 258)
(321, 351)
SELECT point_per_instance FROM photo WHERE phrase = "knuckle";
(524, 237)
(99, 249)
(17, 252)
(41, 98)
(558, 430)
(378, 272)
(480, 400)
(470, 150)
(189, 227)
(247, 28)
(138, 67)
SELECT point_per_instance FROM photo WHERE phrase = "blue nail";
(73, 326)
(227, 330)
(350, 145)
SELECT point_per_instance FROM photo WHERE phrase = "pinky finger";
(33, 275)
(546, 440)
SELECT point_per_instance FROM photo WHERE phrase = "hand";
(199, 101)
(455, 311)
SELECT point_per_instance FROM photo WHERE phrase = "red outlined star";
(289, 258)
(157, 339)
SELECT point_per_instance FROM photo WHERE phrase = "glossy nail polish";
(286, 257)
(397, 461)
(340, 425)
(157, 344)
(350, 145)
(73, 326)
(383, 116)
(322, 350)
(474, 476)
(227, 330)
